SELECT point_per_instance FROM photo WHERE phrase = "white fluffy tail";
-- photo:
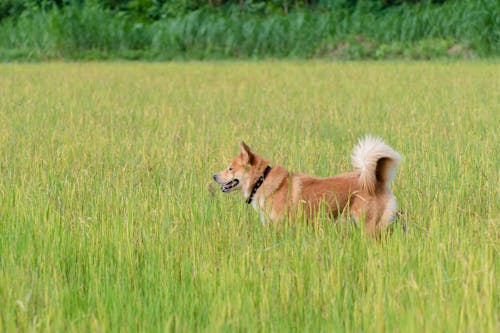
(375, 161)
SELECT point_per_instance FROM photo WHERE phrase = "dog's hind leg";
(388, 214)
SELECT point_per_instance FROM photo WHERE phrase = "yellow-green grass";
(107, 221)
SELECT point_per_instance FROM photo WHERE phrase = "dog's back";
(334, 193)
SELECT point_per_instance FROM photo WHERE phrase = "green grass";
(455, 29)
(107, 222)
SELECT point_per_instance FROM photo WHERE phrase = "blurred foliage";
(152, 10)
(219, 29)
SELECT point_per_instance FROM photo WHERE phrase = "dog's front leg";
(263, 218)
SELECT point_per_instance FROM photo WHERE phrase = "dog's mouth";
(230, 185)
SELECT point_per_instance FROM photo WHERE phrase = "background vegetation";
(108, 221)
(215, 29)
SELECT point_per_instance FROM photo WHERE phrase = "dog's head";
(239, 172)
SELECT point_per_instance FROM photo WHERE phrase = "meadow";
(109, 221)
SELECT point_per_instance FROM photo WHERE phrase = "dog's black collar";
(258, 183)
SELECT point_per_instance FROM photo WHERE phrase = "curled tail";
(375, 161)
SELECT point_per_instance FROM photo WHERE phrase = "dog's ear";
(247, 153)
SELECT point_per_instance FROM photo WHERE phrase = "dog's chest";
(258, 206)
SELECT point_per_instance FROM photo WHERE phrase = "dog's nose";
(215, 177)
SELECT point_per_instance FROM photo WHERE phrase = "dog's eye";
(230, 169)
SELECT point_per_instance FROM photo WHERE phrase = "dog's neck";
(250, 182)
(277, 175)
(258, 183)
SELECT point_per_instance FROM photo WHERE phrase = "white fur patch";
(365, 156)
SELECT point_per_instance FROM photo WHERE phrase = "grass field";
(107, 221)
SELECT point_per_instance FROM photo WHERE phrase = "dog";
(276, 193)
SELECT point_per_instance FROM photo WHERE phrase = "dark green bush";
(221, 29)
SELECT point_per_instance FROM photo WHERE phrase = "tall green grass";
(108, 222)
(456, 29)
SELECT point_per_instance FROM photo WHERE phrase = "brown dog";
(276, 193)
